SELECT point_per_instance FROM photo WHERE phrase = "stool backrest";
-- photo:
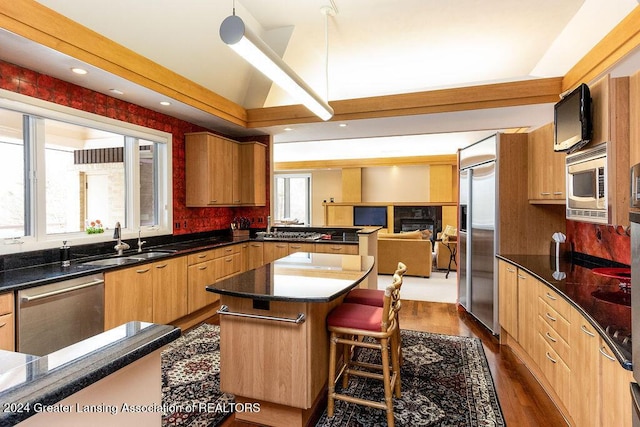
(402, 268)
(391, 304)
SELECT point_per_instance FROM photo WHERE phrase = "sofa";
(412, 248)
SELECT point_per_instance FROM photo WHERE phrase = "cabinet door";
(208, 170)
(527, 311)
(508, 297)
(274, 250)
(332, 248)
(615, 396)
(252, 173)
(169, 289)
(585, 360)
(546, 167)
(128, 296)
(256, 255)
(199, 276)
(7, 322)
(301, 247)
(244, 257)
(227, 266)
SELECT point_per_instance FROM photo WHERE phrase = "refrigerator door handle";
(635, 398)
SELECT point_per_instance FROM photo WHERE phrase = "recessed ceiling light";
(116, 91)
(288, 129)
(165, 103)
(343, 125)
(77, 70)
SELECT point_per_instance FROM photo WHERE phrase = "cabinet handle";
(296, 246)
(511, 270)
(202, 256)
(228, 260)
(281, 246)
(228, 250)
(604, 353)
(142, 271)
(3, 325)
(551, 297)
(203, 267)
(161, 266)
(550, 317)
(550, 337)
(558, 193)
(586, 331)
(545, 194)
(550, 358)
(520, 276)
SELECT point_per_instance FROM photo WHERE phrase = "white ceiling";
(376, 47)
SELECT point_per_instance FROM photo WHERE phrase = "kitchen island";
(273, 337)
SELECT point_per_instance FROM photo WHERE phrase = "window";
(72, 176)
(292, 198)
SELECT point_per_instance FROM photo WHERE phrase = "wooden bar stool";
(349, 321)
(375, 297)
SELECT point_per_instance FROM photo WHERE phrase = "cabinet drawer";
(226, 266)
(227, 251)
(337, 249)
(553, 339)
(200, 257)
(301, 247)
(6, 303)
(554, 319)
(555, 369)
(554, 300)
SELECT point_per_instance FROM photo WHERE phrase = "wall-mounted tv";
(370, 216)
(572, 120)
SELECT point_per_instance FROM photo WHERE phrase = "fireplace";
(410, 218)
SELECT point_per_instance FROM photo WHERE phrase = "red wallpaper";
(186, 220)
(604, 241)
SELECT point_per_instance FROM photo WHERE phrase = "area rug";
(445, 382)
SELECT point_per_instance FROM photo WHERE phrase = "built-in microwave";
(587, 185)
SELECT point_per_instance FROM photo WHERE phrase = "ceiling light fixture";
(116, 91)
(165, 103)
(80, 71)
(255, 51)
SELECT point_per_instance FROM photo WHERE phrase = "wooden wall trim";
(526, 92)
(42, 25)
(624, 38)
(443, 159)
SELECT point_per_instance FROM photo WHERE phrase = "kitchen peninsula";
(274, 343)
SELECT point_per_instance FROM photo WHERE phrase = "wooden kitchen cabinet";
(208, 169)
(128, 296)
(227, 262)
(169, 289)
(7, 322)
(508, 297)
(274, 250)
(336, 248)
(546, 168)
(153, 292)
(615, 398)
(222, 172)
(585, 406)
(301, 247)
(199, 276)
(527, 312)
(256, 255)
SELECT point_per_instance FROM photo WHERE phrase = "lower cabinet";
(199, 276)
(336, 248)
(7, 322)
(274, 250)
(256, 255)
(565, 352)
(153, 292)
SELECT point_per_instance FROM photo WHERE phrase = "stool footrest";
(366, 374)
(359, 401)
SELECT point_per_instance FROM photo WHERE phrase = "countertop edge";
(624, 362)
(81, 373)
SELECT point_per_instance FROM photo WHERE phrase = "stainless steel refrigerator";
(635, 313)
(477, 235)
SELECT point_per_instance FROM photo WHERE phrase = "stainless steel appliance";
(587, 185)
(54, 316)
(477, 232)
(634, 217)
(635, 186)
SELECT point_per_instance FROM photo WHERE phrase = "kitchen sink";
(111, 261)
(147, 255)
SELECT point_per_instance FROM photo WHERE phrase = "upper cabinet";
(610, 98)
(546, 168)
(222, 172)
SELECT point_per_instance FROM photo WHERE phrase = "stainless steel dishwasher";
(54, 316)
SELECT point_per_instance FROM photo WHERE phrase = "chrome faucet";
(140, 242)
(121, 246)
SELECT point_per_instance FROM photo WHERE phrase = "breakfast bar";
(273, 337)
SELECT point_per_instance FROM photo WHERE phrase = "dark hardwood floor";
(524, 403)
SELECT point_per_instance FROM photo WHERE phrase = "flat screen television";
(370, 216)
(572, 120)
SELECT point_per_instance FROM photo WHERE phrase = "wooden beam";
(527, 92)
(622, 40)
(443, 159)
(31, 20)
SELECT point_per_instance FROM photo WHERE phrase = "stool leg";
(346, 358)
(332, 373)
(388, 400)
(396, 357)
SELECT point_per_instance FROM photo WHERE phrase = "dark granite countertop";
(605, 302)
(301, 277)
(48, 379)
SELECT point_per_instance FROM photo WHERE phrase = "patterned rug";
(445, 382)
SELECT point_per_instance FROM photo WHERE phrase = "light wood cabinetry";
(527, 311)
(546, 168)
(274, 250)
(585, 345)
(153, 292)
(227, 261)
(508, 297)
(301, 247)
(336, 248)
(610, 98)
(222, 172)
(615, 399)
(256, 255)
(207, 267)
(7, 322)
